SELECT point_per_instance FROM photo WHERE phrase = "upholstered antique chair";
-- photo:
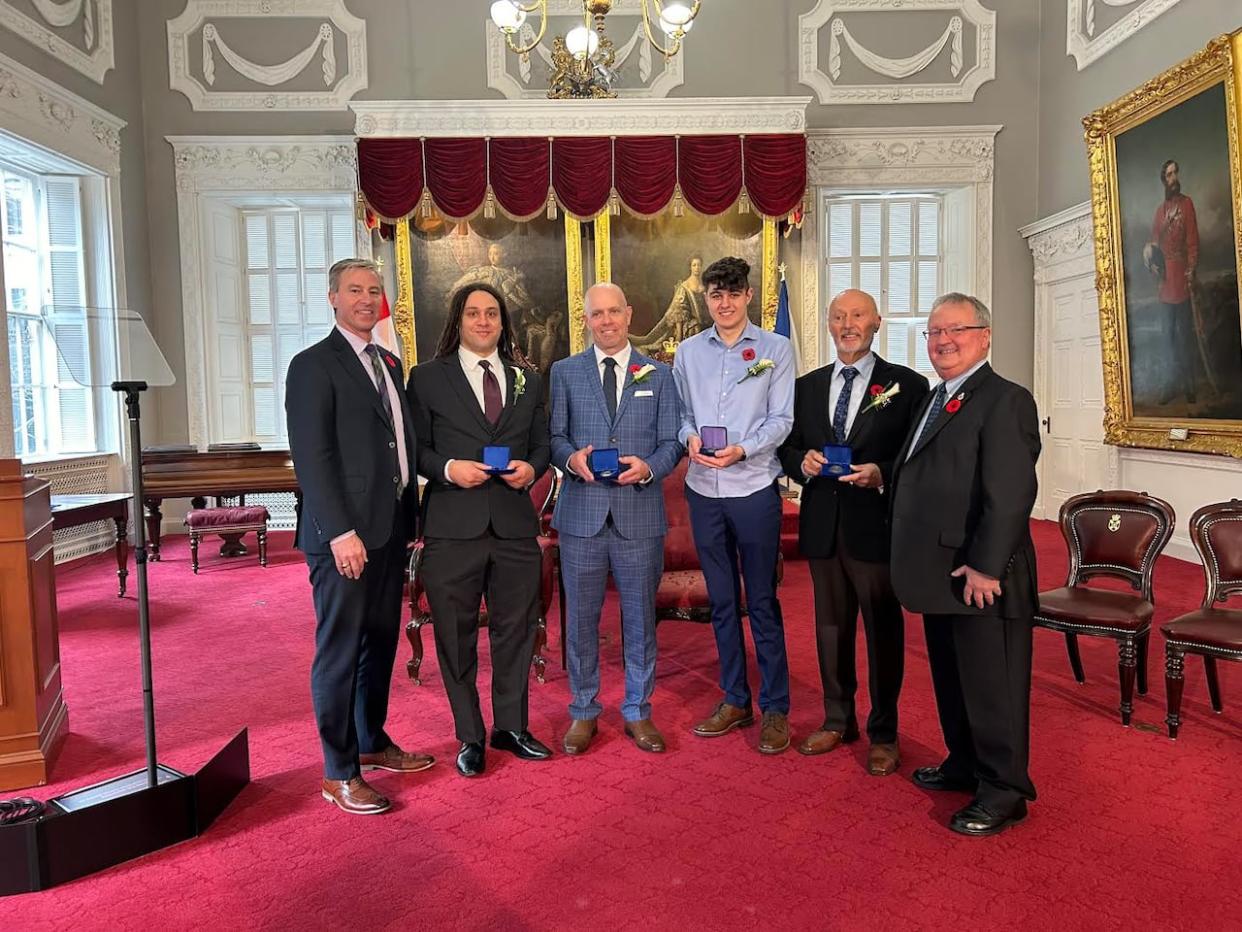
(1209, 631)
(1115, 534)
(542, 494)
(682, 592)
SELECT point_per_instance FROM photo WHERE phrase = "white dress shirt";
(474, 375)
(359, 347)
(622, 356)
(858, 390)
(950, 389)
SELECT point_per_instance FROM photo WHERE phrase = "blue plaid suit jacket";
(646, 425)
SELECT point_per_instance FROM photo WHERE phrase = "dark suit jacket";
(343, 446)
(874, 437)
(449, 424)
(965, 497)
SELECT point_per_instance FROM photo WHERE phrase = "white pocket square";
(644, 394)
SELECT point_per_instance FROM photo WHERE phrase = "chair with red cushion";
(1209, 631)
(1115, 534)
(542, 494)
(231, 524)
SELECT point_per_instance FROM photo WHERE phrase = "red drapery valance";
(583, 172)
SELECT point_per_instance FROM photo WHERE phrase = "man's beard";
(1172, 190)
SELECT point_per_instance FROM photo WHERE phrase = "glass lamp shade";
(676, 14)
(581, 42)
(507, 16)
(670, 27)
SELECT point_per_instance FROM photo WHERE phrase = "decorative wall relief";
(86, 42)
(859, 51)
(1092, 30)
(641, 72)
(305, 75)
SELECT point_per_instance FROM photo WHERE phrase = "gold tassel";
(614, 203)
(489, 204)
(551, 205)
(743, 202)
(425, 208)
(679, 209)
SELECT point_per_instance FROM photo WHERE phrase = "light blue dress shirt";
(756, 411)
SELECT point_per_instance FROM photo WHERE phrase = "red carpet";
(1130, 830)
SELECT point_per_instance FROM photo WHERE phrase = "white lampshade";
(507, 16)
(676, 14)
(671, 27)
(581, 42)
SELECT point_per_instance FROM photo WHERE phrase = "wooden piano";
(218, 473)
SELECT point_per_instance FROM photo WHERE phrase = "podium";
(33, 717)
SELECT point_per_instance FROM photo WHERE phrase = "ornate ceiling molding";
(93, 58)
(198, 29)
(43, 112)
(683, 116)
(208, 166)
(836, 15)
(1087, 43)
(519, 77)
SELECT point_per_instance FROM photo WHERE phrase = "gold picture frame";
(1170, 329)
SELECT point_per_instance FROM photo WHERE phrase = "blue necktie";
(840, 415)
(937, 406)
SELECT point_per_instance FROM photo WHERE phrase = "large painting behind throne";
(658, 263)
(524, 261)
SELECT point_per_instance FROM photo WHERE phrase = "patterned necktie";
(492, 404)
(937, 406)
(381, 385)
(842, 411)
(610, 386)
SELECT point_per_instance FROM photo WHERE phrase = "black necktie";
(933, 413)
(377, 368)
(840, 415)
(610, 386)
(492, 405)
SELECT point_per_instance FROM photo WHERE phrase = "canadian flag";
(385, 333)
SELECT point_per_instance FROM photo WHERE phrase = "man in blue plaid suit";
(611, 397)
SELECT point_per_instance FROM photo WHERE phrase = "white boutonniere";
(519, 382)
(762, 366)
(882, 397)
(640, 374)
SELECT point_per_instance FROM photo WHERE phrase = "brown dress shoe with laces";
(823, 741)
(774, 735)
(579, 736)
(354, 796)
(646, 736)
(883, 759)
(724, 719)
(394, 759)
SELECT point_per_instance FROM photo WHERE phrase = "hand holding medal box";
(496, 459)
(606, 464)
(837, 460)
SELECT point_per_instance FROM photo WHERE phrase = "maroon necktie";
(492, 404)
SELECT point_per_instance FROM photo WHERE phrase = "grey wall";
(1066, 95)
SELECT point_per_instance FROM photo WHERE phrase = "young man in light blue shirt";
(738, 377)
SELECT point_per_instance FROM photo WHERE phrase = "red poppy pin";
(748, 354)
(877, 389)
(392, 363)
(955, 403)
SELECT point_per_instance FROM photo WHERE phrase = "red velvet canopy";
(583, 171)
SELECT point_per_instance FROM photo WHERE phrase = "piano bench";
(231, 524)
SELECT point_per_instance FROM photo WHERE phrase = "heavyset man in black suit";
(350, 433)
(962, 556)
(866, 403)
(479, 529)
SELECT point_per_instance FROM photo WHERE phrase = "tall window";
(890, 247)
(288, 252)
(45, 267)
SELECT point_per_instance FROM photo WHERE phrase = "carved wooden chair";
(542, 494)
(1209, 631)
(1115, 534)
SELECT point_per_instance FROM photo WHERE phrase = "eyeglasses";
(937, 332)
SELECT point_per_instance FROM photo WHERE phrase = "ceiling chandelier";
(584, 59)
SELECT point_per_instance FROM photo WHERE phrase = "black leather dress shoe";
(522, 743)
(470, 759)
(978, 819)
(933, 778)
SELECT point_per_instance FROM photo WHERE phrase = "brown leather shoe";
(774, 735)
(394, 759)
(579, 736)
(823, 741)
(724, 719)
(354, 796)
(646, 736)
(883, 759)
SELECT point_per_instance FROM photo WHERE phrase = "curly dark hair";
(729, 273)
(450, 337)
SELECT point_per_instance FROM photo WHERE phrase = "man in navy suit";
(611, 397)
(352, 440)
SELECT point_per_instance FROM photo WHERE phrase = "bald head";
(853, 320)
(607, 316)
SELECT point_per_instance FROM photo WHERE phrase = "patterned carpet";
(1130, 829)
